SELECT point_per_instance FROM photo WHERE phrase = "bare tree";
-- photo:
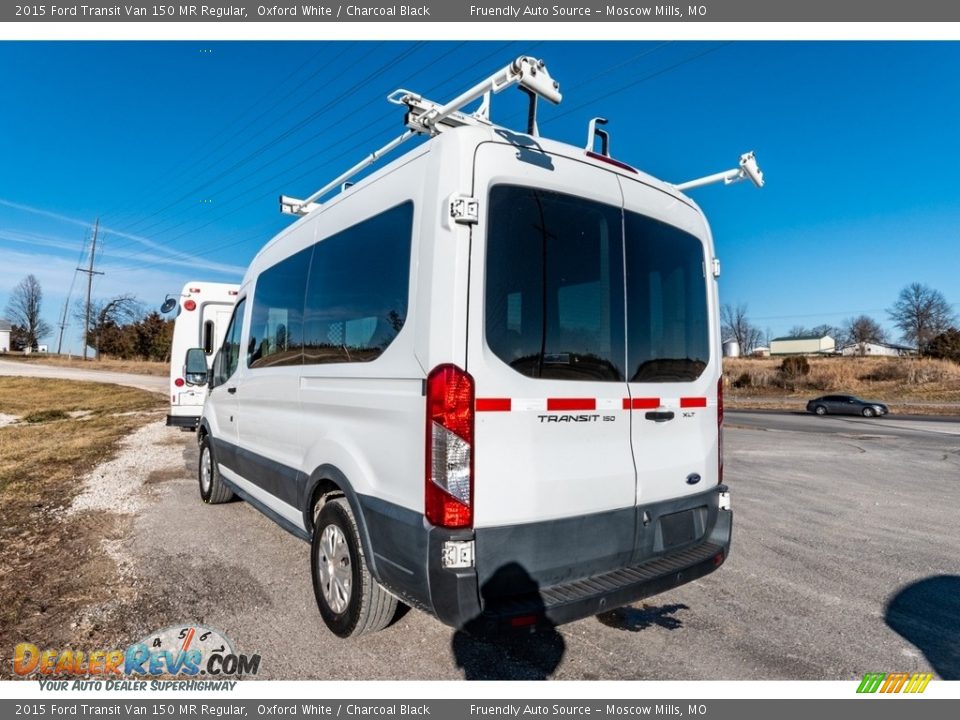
(921, 313)
(798, 331)
(106, 315)
(23, 309)
(825, 329)
(736, 325)
(861, 330)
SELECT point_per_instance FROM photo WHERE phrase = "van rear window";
(579, 290)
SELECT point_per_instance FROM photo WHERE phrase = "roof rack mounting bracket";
(748, 169)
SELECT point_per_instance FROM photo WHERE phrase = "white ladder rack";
(425, 117)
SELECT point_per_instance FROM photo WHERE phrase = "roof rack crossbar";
(429, 118)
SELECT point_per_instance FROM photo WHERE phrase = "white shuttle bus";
(203, 311)
(485, 380)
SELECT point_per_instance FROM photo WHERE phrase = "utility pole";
(90, 273)
(63, 324)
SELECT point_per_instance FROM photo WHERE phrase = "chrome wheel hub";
(336, 575)
(206, 470)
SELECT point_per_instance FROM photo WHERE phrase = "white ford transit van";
(483, 381)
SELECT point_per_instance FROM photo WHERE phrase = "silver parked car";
(846, 405)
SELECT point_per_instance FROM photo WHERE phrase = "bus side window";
(208, 337)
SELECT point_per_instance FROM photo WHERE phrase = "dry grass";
(50, 569)
(918, 384)
(137, 367)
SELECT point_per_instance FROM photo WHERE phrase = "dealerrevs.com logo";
(189, 651)
(894, 682)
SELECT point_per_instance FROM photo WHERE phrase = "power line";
(66, 303)
(195, 191)
(362, 129)
(257, 104)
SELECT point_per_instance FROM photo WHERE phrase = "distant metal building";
(731, 348)
(869, 349)
(4, 336)
(808, 345)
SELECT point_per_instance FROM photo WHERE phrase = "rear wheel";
(213, 490)
(820, 410)
(868, 412)
(351, 601)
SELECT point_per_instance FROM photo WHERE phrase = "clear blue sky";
(181, 148)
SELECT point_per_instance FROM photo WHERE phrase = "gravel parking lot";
(845, 561)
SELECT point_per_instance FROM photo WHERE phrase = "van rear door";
(672, 366)
(554, 479)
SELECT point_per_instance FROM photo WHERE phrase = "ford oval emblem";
(693, 479)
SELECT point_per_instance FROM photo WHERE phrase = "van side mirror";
(195, 367)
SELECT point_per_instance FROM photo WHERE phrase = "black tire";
(213, 490)
(336, 558)
(868, 412)
(820, 410)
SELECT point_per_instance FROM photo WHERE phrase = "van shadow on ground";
(504, 653)
(927, 614)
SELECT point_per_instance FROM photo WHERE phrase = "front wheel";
(213, 490)
(351, 601)
(868, 412)
(820, 410)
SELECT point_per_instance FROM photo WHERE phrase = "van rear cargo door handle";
(233, 390)
(659, 415)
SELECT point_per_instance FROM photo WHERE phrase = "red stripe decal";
(571, 404)
(493, 405)
(646, 403)
(693, 402)
(626, 403)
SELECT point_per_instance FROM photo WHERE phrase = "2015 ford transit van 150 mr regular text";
(484, 380)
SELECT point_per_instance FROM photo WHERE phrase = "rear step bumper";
(531, 602)
(583, 598)
(184, 422)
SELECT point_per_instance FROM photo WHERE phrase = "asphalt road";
(152, 383)
(846, 560)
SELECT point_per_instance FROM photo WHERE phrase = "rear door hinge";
(716, 267)
(464, 209)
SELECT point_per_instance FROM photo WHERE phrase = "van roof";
(470, 137)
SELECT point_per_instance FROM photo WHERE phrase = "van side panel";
(366, 418)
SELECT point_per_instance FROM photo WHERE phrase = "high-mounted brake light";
(720, 430)
(609, 160)
(448, 498)
(189, 305)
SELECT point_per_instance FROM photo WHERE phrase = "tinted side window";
(230, 352)
(667, 323)
(276, 323)
(554, 285)
(356, 300)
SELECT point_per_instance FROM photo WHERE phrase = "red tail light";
(178, 382)
(720, 429)
(189, 305)
(449, 448)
